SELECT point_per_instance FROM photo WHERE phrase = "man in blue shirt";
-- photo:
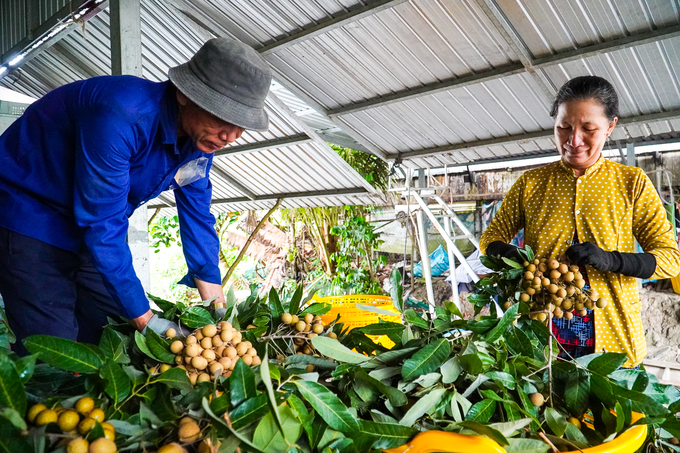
(81, 159)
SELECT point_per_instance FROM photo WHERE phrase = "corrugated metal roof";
(309, 172)
(431, 81)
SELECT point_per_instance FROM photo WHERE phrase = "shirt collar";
(589, 170)
(168, 116)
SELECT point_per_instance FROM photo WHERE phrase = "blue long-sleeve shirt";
(82, 158)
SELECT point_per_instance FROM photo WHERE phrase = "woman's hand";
(589, 253)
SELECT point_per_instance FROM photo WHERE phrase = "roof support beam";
(539, 63)
(232, 181)
(284, 196)
(264, 145)
(41, 36)
(326, 26)
(630, 121)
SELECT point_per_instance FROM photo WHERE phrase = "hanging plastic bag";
(192, 171)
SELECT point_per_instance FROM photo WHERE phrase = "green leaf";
(519, 342)
(294, 306)
(556, 421)
(308, 359)
(268, 437)
(11, 440)
(382, 328)
(450, 370)
(641, 383)
(512, 263)
(471, 363)
(241, 437)
(374, 309)
(66, 354)
(249, 411)
(508, 429)
(507, 319)
(453, 309)
(241, 383)
(414, 318)
(267, 381)
(428, 359)
(140, 341)
(397, 290)
(607, 363)
(113, 347)
(318, 308)
(526, 446)
(641, 402)
(335, 350)
(573, 433)
(118, 384)
(485, 430)
(328, 406)
(159, 348)
(481, 411)
(162, 404)
(395, 355)
(176, 378)
(195, 317)
(25, 367)
(576, 393)
(505, 379)
(386, 435)
(275, 304)
(16, 419)
(422, 406)
(396, 397)
(12, 393)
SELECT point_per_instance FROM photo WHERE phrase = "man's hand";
(161, 326)
(498, 248)
(589, 253)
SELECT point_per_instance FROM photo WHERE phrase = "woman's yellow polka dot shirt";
(610, 205)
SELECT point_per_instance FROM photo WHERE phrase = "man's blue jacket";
(82, 158)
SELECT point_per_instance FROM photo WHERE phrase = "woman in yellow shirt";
(591, 209)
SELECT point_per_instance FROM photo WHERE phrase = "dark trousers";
(51, 291)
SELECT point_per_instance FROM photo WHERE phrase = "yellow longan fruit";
(536, 262)
(206, 342)
(208, 355)
(230, 352)
(528, 275)
(171, 333)
(524, 297)
(561, 292)
(165, 367)
(575, 421)
(531, 291)
(563, 268)
(200, 363)
(332, 335)
(198, 334)
(537, 399)
(171, 448)
(570, 291)
(216, 367)
(107, 425)
(567, 304)
(307, 350)
(209, 330)
(525, 263)
(552, 288)
(542, 317)
(34, 411)
(192, 350)
(558, 313)
(589, 304)
(545, 282)
(219, 352)
(295, 319)
(203, 377)
(308, 328)
(536, 281)
(217, 341)
(251, 352)
(188, 432)
(78, 445)
(225, 362)
(583, 313)
(531, 268)
(247, 359)
(300, 326)
(176, 347)
(233, 362)
(238, 337)
(184, 420)
(256, 360)
(310, 368)
(45, 417)
(68, 420)
(568, 277)
(568, 315)
(286, 318)
(191, 339)
(309, 318)
(193, 377)
(102, 445)
(187, 359)
(109, 434)
(84, 405)
(317, 328)
(580, 283)
(241, 348)
(555, 274)
(553, 263)
(227, 335)
(601, 302)
(542, 267)
(86, 425)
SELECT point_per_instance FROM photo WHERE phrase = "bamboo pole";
(232, 268)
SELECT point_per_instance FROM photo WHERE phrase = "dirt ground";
(661, 321)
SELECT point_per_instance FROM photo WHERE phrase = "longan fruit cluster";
(76, 421)
(188, 432)
(552, 288)
(213, 350)
(304, 329)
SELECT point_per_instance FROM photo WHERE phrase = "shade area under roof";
(289, 161)
(431, 82)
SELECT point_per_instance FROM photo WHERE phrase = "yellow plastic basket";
(353, 317)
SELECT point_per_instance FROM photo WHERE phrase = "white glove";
(161, 325)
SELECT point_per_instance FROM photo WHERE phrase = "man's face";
(208, 132)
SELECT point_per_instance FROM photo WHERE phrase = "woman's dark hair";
(588, 87)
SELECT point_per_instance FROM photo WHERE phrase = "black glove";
(641, 265)
(498, 248)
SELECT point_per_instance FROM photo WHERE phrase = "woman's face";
(581, 129)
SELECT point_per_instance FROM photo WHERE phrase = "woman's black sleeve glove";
(641, 265)
(498, 248)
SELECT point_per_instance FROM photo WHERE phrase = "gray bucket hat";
(228, 79)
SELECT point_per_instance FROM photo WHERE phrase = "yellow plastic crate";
(354, 317)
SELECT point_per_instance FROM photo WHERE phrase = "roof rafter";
(264, 145)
